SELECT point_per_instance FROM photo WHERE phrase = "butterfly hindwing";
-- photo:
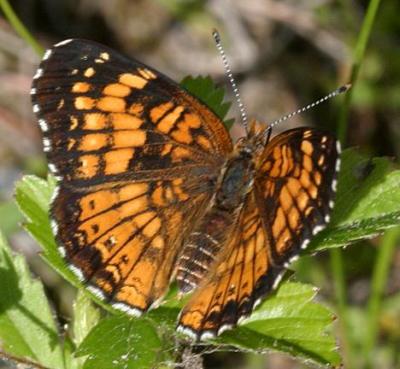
(295, 188)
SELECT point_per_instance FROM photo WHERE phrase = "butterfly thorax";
(202, 249)
(235, 181)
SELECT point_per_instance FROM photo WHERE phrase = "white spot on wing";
(46, 144)
(43, 125)
(334, 185)
(54, 226)
(225, 327)
(276, 282)
(55, 194)
(257, 302)
(76, 271)
(38, 73)
(337, 166)
(36, 108)
(61, 251)
(96, 291)
(62, 43)
(331, 204)
(33, 91)
(305, 244)
(47, 54)
(317, 229)
(291, 260)
(187, 331)
(242, 318)
(126, 309)
(52, 168)
(207, 335)
(338, 147)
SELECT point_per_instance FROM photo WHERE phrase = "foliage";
(27, 328)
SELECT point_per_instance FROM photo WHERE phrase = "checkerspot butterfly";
(151, 189)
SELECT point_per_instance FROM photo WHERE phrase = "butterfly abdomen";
(201, 249)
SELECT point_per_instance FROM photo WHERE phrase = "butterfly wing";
(137, 158)
(295, 188)
(291, 200)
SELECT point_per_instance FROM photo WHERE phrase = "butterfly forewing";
(105, 118)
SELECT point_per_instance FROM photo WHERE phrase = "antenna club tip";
(216, 35)
(345, 88)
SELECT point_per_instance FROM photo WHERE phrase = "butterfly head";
(255, 140)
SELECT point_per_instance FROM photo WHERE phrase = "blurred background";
(284, 55)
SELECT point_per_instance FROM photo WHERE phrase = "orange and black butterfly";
(151, 189)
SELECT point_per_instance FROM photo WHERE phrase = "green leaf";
(9, 217)
(212, 96)
(86, 316)
(33, 196)
(291, 322)
(367, 203)
(121, 342)
(27, 327)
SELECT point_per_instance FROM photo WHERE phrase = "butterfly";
(151, 189)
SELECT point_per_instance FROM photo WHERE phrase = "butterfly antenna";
(338, 91)
(228, 72)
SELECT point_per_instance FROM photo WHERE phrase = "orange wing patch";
(117, 90)
(133, 80)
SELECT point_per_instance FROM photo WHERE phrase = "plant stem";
(336, 255)
(19, 27)
(337, 267)
(379, 279)
(25, 362)
(359, 53)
